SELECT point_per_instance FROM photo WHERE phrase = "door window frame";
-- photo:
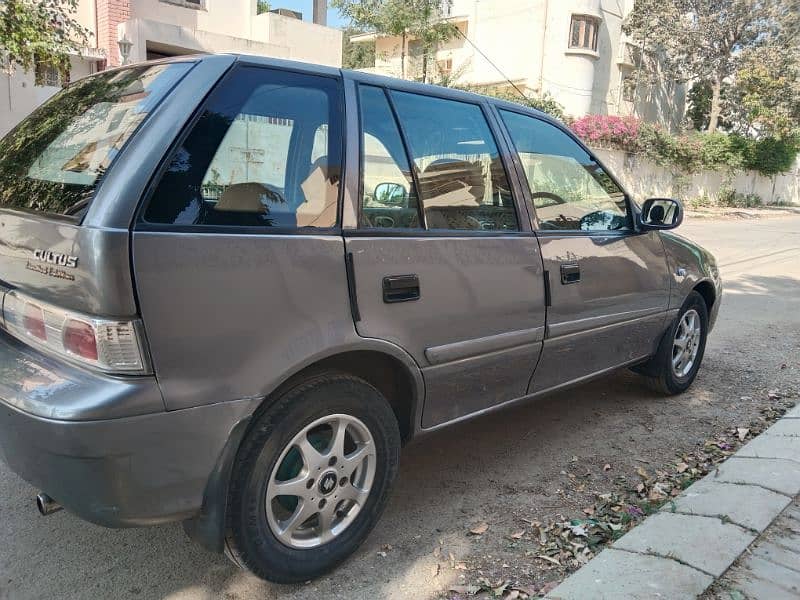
(340, 109)
(632, 209)
(505, 153)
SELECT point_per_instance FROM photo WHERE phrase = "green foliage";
(546, 103)
(420, 20)
(40, 32)
(262, 6)
(711, 41)
(694, 151)
(356, 56)
(770, 156)
(733, 199)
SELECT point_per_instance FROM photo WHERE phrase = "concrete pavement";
(680, 552)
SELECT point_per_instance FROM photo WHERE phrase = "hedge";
(690, 152)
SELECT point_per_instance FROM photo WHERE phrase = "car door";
(609, 284)
(238, 256)
(442, 263)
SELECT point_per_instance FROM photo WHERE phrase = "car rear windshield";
(52, 161)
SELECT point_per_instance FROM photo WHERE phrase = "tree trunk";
(716, 105)
(403, 57)
(425, 68)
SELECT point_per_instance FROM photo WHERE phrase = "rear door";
(444, 263)
(238, 256)
(609, 283)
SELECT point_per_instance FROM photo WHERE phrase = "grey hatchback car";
(233, 287)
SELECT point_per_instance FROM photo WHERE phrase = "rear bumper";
(118, 472)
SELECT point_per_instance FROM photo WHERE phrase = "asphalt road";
(494, 469)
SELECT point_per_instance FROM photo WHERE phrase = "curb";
(680, 551)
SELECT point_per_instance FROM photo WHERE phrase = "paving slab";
(790, 427)
(793, 413)
(773, 446)
(775, 474)
(777, 554)
(759, 589)
(749, 506)
(618, 575)
(705, 543)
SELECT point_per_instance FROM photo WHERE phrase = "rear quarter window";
(53, 160)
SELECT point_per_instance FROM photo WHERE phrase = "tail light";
(109, 345)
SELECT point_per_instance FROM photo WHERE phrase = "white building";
(573, 50)
(159, 28)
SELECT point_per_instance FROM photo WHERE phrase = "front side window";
(53, 160)
(266, 152)
(462, 182)
(583, 32)
(569, 189)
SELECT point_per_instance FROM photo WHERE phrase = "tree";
(767, 94)
(418, 19)
(708, 40)
(356, 56)
(40, 32)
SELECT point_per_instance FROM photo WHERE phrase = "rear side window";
(265, 152)
(462, 182)
(390, 199)
(53, 160)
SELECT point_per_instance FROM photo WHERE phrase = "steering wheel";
(549, 195)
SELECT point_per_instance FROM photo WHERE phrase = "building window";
(187, 3)
(445, 66)
(50, 76)
(583, 32)
(629, 87)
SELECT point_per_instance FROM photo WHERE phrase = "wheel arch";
(709, 293)
(386, 366)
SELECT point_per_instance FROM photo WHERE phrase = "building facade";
(573, 50)
(158, 28)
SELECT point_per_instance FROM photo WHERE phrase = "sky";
(304, 6)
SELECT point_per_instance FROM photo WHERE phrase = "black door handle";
(400, 288)
(570, 273)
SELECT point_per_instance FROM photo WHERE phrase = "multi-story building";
(145, 29)
(573, 50)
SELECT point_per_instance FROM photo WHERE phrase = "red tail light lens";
(33, 321)
(79, 338)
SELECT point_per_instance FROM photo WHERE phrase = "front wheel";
(311, 478)
(673, 369)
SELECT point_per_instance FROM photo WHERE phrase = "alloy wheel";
(686, 343)
(321, 481)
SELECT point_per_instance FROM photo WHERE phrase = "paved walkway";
(692, 542)
(770, 569)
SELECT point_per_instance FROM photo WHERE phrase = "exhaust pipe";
(46, 505)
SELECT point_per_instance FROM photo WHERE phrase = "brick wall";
(111, 13)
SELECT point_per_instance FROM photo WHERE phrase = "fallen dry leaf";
(681, 467)
(589, 510)
(606, 467)
(479, 529)
(742, 433)
(548, 559)
(518, 535)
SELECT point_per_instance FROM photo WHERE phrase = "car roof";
(373, 79)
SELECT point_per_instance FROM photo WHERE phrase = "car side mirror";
(391, 193)
(661, 213)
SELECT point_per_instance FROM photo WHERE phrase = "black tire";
(658, 372)
(250, 542)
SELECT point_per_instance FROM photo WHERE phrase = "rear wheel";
(312, 478)
(674, 367)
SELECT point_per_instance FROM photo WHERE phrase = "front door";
(443, 264)
(609, 284)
